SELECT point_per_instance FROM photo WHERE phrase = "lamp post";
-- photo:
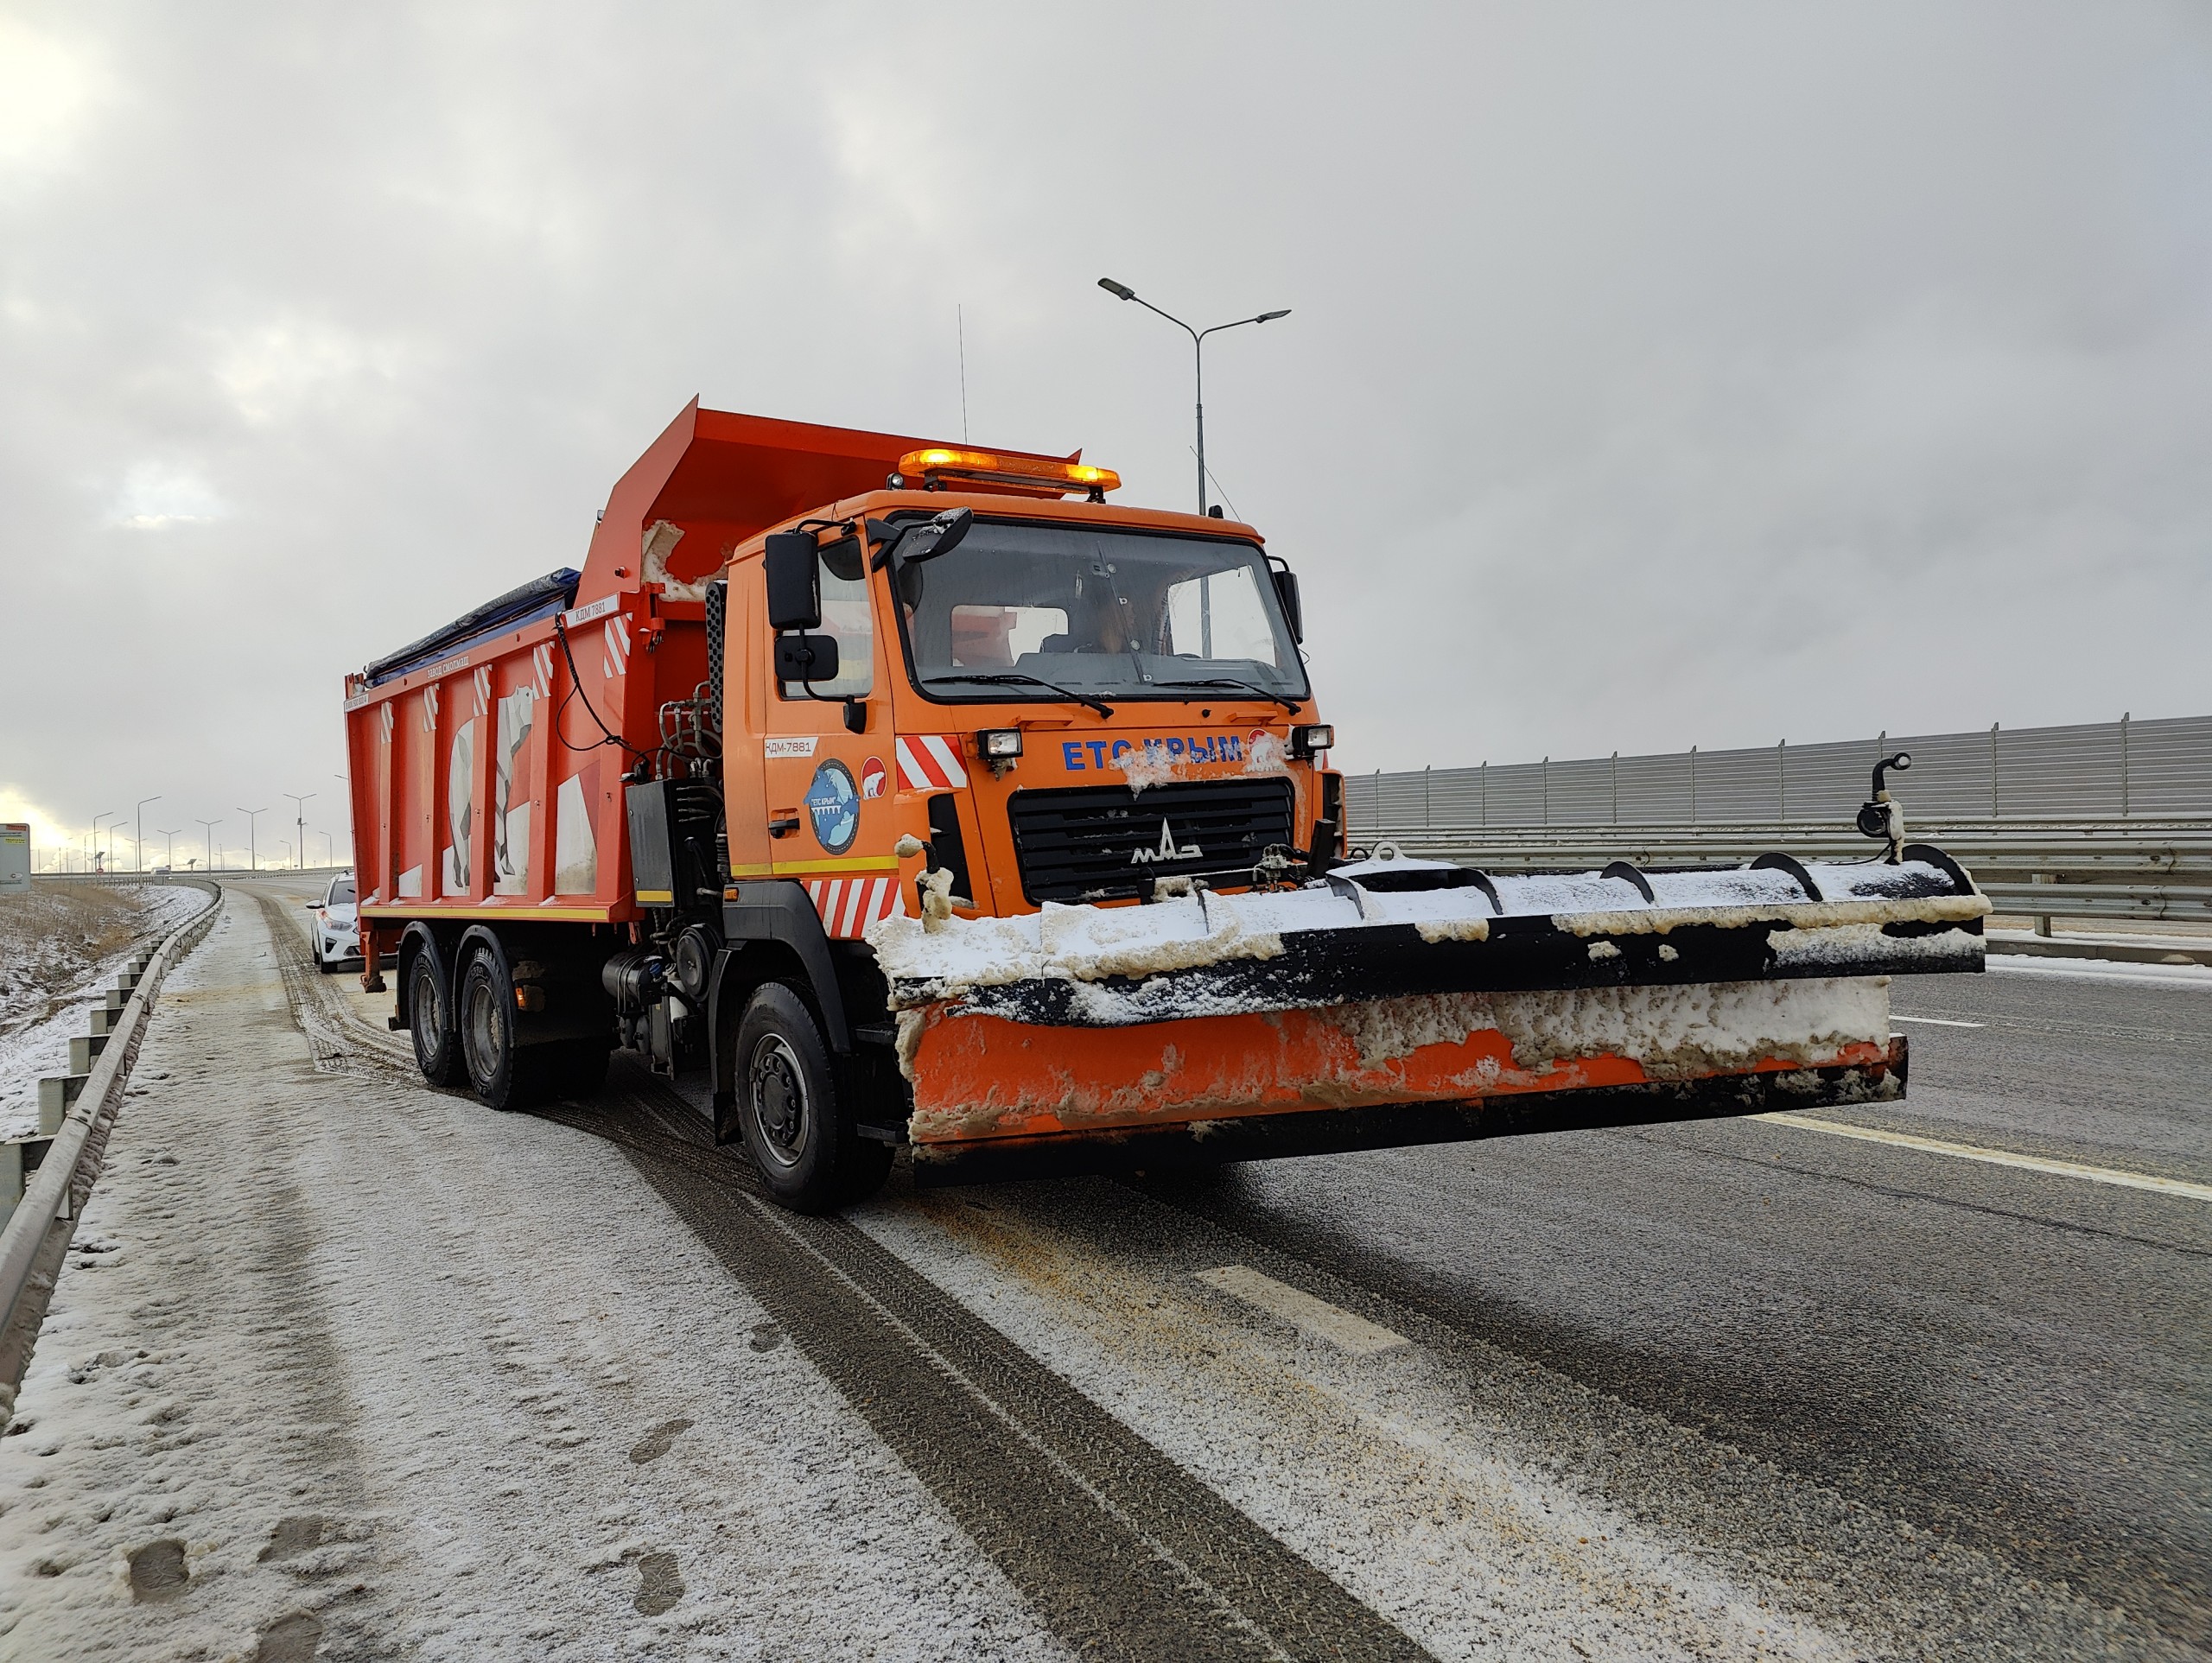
(104, 814)
(252, 849)
(1123, 291)
(211, 825)
(138, 837)
(170, 833)
(300, 821)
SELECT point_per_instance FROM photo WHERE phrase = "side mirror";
(794, 582)
(1287, 594)
(940, 536)
(806, 658)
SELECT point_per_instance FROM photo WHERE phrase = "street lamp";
(211, 825)
(170, 833)
(104, 814)
(138, 838)
(252, 849)
(1123, 291)
(300, 821)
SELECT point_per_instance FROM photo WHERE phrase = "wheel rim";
(481, 1025)
(776, 1088)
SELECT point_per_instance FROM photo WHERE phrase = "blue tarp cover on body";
(539, 598)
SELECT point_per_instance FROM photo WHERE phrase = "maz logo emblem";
(1167, 851)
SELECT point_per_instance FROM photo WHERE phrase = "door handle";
(782, 828)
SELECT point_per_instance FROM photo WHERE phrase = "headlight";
(1313, 740)
(999, 744)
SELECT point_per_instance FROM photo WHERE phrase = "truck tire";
(429, 1020)
(790, 1108)
(505, 1076)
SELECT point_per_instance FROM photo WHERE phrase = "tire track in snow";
(1121, 1552)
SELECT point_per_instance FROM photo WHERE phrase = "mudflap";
(1331, 1131)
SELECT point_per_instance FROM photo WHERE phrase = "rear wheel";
(429, 1020)
(792, 1111)
(505, 1076)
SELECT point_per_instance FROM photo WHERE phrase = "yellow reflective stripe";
(656, 897)
(843, 863)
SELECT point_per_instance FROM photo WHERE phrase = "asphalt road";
(2016, 1363)
(1733, 1388)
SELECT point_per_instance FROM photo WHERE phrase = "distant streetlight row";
(295, 855)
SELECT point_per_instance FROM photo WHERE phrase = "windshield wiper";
(1292, 705)
(1018, 680)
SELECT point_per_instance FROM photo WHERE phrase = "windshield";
(1093, 612)
(342, 893)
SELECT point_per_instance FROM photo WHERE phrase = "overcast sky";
(1657, 373)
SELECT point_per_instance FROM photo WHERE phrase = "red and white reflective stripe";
(541, 660)
(931, 762)
(847, 906)
(618, 646)
(431, 708)
(483, 679)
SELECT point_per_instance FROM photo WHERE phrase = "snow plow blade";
(1405, 1002)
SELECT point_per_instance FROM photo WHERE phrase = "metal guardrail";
(37, 1232)
(2141, 872)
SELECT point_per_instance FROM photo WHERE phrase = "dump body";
(1023, 803)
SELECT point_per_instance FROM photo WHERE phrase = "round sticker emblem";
(833, 803)
(872, 777)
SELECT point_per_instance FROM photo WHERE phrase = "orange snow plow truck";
(924, 796)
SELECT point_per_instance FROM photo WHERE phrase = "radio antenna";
(960, 323)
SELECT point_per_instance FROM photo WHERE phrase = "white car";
(333, 927)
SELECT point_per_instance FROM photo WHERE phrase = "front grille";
(1103, 843)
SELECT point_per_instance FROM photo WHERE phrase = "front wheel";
(429, 1021)
(791, 1111)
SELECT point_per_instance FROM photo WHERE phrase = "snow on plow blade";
(1404, 1002)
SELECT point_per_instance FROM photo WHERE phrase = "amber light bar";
(990, 467)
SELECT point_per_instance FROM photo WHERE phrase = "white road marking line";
(1940, 1021)
(2064, 1169)
(1302, 1310)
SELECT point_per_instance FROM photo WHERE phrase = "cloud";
(157, 495)
(1655, 375)
(275, 371)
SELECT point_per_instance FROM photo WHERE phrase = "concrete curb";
(41, 1227)
(2155, 951)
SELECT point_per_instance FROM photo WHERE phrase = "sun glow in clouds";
(157, 495)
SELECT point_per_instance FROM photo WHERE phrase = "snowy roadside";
(338, 1360)
(61, 949)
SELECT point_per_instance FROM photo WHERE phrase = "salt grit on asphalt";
(339, 1363)
(1367, 1466)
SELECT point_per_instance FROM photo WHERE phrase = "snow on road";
(339, 1360)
